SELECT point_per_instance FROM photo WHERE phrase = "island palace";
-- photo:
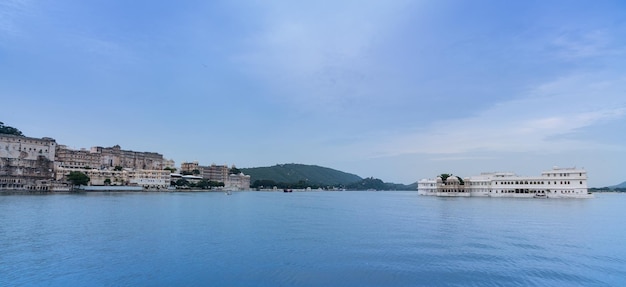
(555, 183)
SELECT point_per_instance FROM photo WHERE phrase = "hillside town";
(40, 164)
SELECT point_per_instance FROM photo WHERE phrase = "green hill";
(621, 185)
(294, 173)
(377, 184)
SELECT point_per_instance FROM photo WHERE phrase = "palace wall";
(26, 163)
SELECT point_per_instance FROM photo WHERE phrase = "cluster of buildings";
(41, 164)
(217, 173)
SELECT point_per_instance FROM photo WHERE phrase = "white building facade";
(147, 179)
(237, 182)
(555, 183)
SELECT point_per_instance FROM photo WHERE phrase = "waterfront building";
(97, 177)
(192, 178)
(26, 163)
(555, 183)
(116, 156)
(215, 172)
(169, 163)
(70, 158)
(40, 164)
(237, 182)
(175, 176)
(190, 168)
(150, 179)
(107, 158)
(147, 179)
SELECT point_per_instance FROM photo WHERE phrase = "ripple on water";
(308, 239)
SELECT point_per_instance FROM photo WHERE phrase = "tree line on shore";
(369, 183)
(607, 189)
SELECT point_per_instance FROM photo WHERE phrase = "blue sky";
(399, 90)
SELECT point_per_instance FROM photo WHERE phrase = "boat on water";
(555, 183)
(287, 190)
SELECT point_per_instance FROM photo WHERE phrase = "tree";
(445, 176)
(9, 130)
(203, 184)
(107, 181)
(263, 183)
(171, 169)
(196, 171)
(118, 168)
(78, 178)
(368, 183)
(182, 182)
(234, 170)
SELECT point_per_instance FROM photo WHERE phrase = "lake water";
(310, 239)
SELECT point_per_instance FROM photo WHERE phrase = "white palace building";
(555, 183)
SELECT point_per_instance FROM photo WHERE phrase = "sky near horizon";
(398, 90)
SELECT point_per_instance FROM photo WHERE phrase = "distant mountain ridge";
(621, 185)
(293, 173)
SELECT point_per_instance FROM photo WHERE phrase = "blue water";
(310, 239)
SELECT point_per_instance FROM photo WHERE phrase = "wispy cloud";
(574, 45)
(10, 13)
(98, 46)
(318, 57)
(530, 124)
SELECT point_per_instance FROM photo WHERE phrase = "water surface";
(310, 239)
